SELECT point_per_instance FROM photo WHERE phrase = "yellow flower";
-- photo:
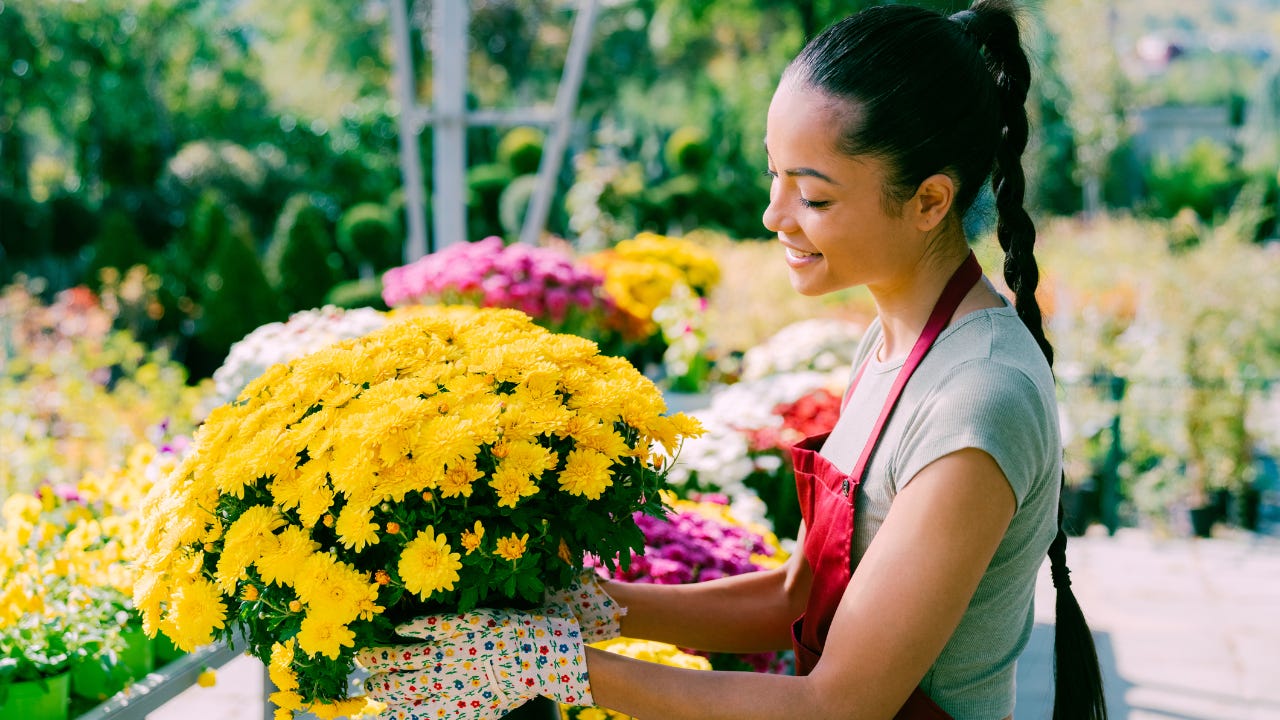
(320, 637)
(528, 458)
(332, 590)
(586, 473)
(656, 652)
(21, 509)
(604, 440)
(280, 565)
(248, 538)
(511, 485)
(512, 548)
(315, 504)
(355, 527)
(458, 478)
(280, 669)
(195, 610)
(207, 678)
(471, 538)
(427, 564)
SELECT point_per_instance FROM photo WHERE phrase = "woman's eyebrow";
(801, 171)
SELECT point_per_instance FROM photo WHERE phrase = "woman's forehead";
(805, 116)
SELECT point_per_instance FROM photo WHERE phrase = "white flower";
(718, 460)
(303, 333)
(819, 344)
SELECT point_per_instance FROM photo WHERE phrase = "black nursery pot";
(539, 708)
(1202, 519)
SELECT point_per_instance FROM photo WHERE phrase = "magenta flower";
(548, 285)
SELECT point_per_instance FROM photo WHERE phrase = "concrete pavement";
(1186, 630)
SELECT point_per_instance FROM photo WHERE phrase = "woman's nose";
(775, 219)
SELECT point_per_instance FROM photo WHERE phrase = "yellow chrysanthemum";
(333, 590)
(249, 537)
(511, 485)
(195, 611)
(355, 527)
(471, 538)
(586, 473)
(458, 479)
(280, 565)
(318, 636)
(655, 652)
(280, 669)
(428, 565)
(512, 548)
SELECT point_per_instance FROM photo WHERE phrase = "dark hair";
(931, 94)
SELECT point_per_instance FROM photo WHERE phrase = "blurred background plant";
(176, 175)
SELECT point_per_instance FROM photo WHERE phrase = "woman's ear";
(932, 201)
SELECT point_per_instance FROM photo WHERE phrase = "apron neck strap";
(961, 282)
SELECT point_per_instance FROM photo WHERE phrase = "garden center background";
(180, 177)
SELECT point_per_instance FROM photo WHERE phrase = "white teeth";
(799, 255)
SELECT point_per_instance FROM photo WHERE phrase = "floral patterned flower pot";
(46, 699)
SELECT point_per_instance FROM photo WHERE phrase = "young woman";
(931, 505)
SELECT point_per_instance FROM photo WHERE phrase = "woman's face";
(826, 206)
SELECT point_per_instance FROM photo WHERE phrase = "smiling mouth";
(799, 254)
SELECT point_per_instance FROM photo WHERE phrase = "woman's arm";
(744, 613)
(904, 602)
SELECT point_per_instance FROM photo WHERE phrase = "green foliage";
(688, 150)
(515, 203)
(72, 224)
(210, 222)
(521, 150)
(234, 295)
(21, 229)
(301, 263)
(485, 186)
(204, 166)
(1204, 179)
(366, 292)
(117, 246)
(367, 235)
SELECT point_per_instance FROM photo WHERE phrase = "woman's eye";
(769, 173)
(814, 204)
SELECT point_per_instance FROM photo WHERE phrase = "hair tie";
(1060, 575)
(970, 22)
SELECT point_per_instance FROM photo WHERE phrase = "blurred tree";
(235, 297)
(367, 236)
(17, 84)
(301, 262)
(1088, 64)
(116, 246)
(1204, 179)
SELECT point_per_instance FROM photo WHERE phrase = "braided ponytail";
(1077, 677)
(962, 111)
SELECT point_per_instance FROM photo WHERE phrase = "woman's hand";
(480, 664)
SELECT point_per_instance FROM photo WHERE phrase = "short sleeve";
(989, 406)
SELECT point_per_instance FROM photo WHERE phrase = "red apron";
(827, 504)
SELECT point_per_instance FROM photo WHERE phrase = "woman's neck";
(904, 307)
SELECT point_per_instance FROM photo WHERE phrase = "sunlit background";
(177, 174)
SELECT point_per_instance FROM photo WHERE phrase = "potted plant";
(455, 459)
(46, 614)
(35, 656)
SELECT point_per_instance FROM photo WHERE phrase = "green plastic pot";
(47, 699)
(90, 680)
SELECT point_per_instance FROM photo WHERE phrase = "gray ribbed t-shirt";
(986, 385)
